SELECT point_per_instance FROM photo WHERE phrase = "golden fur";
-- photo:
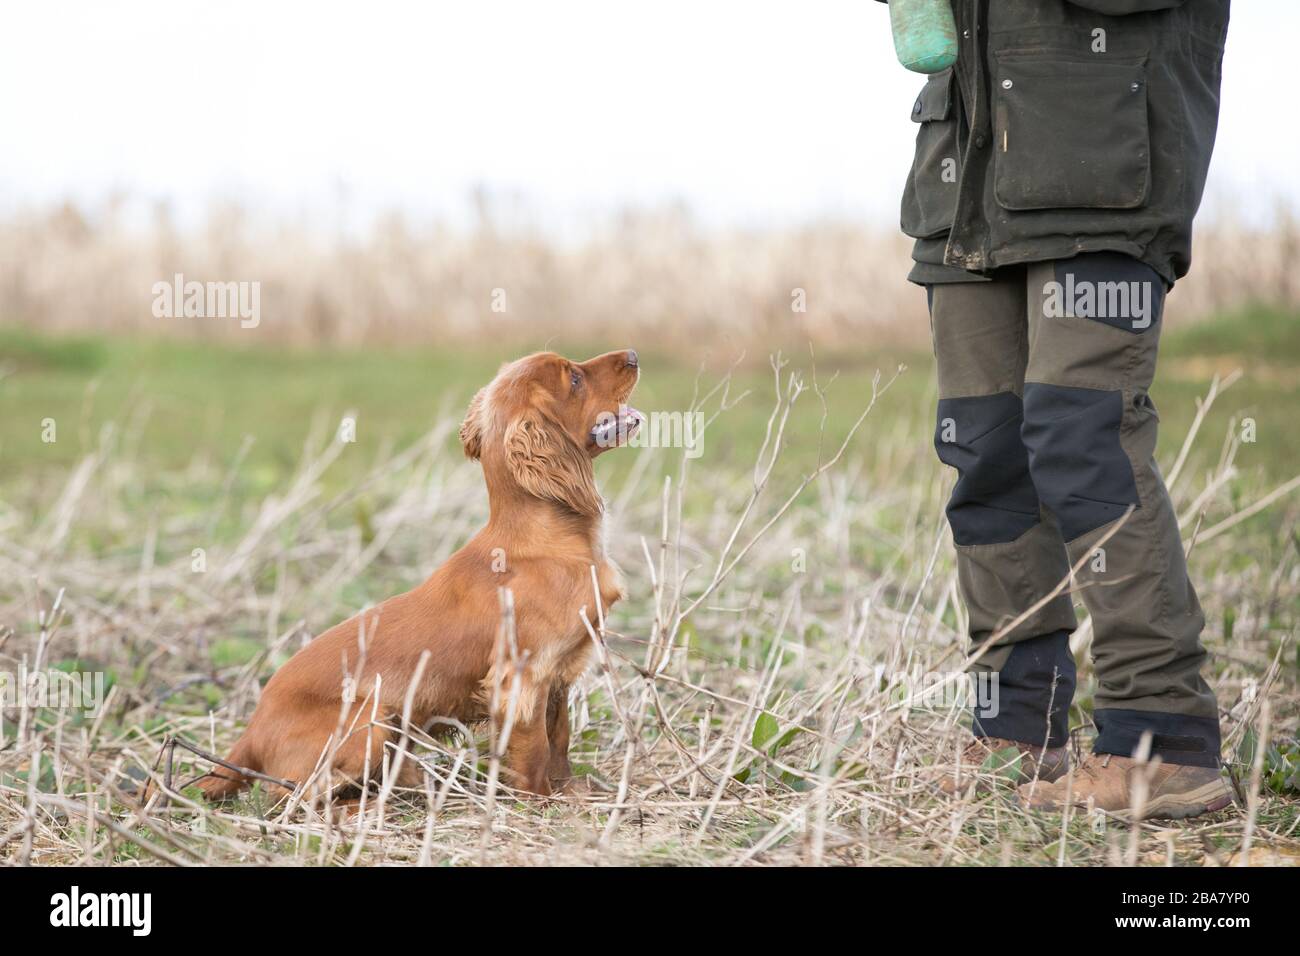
(534, 428)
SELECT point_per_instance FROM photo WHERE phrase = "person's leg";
(1008, 556)
(1090, 428)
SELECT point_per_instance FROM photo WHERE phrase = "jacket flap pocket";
(1070, 132)
(935, 99)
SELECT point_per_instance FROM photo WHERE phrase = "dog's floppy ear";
(471, 429)
(548, 463)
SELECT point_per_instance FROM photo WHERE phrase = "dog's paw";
(581, 785)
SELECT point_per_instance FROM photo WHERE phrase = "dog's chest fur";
(609, 577)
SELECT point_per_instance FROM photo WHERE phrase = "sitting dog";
(536, 429)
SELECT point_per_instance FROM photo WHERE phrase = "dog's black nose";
(631, 358)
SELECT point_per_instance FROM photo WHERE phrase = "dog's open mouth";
(612, 430)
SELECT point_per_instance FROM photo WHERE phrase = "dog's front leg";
(528, 753)
(557, 731)
(529, 756)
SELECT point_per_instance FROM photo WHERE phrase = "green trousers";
(1044, 413)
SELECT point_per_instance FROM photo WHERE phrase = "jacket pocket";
(930, 196)
(1070, 133)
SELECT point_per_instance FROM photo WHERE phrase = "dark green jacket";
(1066, 126)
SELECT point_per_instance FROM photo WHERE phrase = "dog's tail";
(221, 783)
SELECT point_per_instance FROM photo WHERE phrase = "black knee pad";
(1080, 470)
(994, 500)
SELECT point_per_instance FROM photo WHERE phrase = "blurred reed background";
(641, 272)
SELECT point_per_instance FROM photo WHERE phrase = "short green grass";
(177, 399)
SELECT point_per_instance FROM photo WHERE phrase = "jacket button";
(980, 141)
(1007, 84)
(1135, 87)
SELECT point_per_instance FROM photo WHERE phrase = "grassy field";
(772, 729)
(175, 401)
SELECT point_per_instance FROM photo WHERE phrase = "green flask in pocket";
(925, 35)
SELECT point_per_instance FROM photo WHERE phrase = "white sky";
(749, 111)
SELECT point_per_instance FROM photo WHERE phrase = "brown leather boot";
(1114, 784)
(995, 761)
